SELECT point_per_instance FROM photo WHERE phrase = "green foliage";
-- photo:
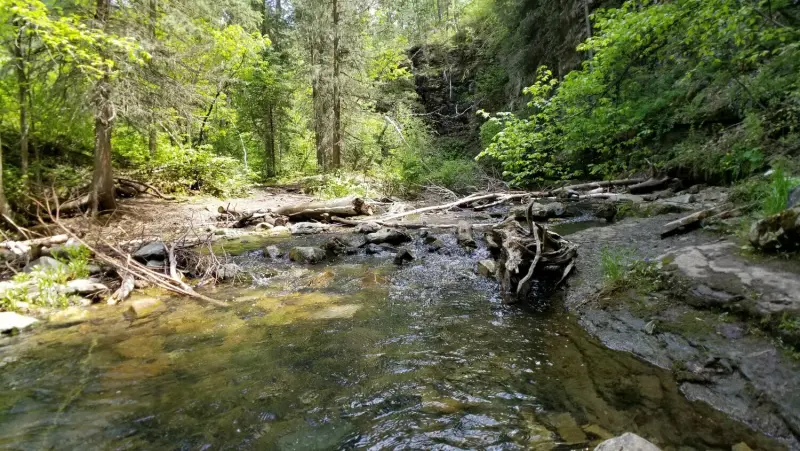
(621, 270)
(769, 195)
(778, 194)
(332, 186)
(44, 287)
(726, 68)
(179, 170)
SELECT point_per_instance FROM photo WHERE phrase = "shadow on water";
(351, 355)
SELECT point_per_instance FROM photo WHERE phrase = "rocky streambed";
(332, 341)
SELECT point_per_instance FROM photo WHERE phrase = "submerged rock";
(627, 442)
(487, 268)
(141, 308)
(306, 254)
(338, 246)
(435, 245)
(374, 249)
(272, 252)
(777, 232)
(389, 235)
(155, 250)
(229, 271)
(403, 255)
(264, 226)
(46, 264)
(11, 321)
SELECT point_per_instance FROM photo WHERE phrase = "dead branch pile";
(529, 253)
(123, 187)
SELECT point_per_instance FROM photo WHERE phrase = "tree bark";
(22, 92)
(4, 208)
(336, 157)
(348, 206)
(102, 195)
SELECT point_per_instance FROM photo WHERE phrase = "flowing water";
(355, 354)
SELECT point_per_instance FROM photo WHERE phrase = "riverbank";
(711, 328)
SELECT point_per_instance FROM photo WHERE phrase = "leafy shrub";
(332, 186)
(778, 193)
(179, 170)
(621, 270)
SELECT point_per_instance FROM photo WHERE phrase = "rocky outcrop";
(627, 442)
(777, 232)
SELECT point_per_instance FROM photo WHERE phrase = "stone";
(46, 264)
(272, 252)
(69, 316)
(337, 246)
(141, 308)
(155, 250)
(264, 226)
(306, 254)
(541, 212)
(309, 228)
(741, 446)
(682, 199)
(568, 429)
(86, 287)
(94, 269)
(487, 268)
(435, 245)
(374, 249)
(627, 442)
(403, 256)
(388, 235)
(429, 239)
(228, 271)
(731, 331)
(597, 431)
(280, 231)
(777, 232)
(794, 197)
(694, 189)
(220, 232)
(367, 227)
(11, 321)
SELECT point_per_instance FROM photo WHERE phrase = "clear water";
(352, 355)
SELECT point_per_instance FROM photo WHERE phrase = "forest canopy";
(213, 96)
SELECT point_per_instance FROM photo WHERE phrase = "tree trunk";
(152, 136)
(588, 25)
(336, 157)
(102, 195)
(4, 208)
(22, 92)
(348, 206)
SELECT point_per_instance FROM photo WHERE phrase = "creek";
(352, 354)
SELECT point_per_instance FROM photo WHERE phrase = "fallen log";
(143, 187)
(593, 185)
(649, 185)
(348, 206)
(458, 203)
(420, 225)
(687, 223)
(124, 291)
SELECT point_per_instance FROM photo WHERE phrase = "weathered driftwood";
(526, 253)
(124, 188)
(29, 249)
(593, 185)
(687, 223)
(143, 187)
(410, 225)
(124, 291)
(245, 218)
(649, 185)
(345, 207)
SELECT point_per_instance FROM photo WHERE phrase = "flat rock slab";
(722, 277)
(11, 320)
(627, 442)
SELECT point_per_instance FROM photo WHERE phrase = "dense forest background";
(389, 96)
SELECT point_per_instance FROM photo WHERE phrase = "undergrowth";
(621, 270)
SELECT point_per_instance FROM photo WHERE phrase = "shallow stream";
(353, 354)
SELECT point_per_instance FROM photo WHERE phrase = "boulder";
(46, 264)
(794, 198)
(403, 256)
(487, 268)
(280, 231)
(144, 307)
(338, 246)
(264, 226)
(272, 252)
(540, 212)
(777, 232)
(155, 250)
(627, 442)
(435, 245)
(367, 227)
(388, 235)
(10, 321)
(306, 254)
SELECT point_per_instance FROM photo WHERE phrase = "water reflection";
(356, 355)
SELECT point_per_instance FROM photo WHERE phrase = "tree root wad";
(530, 260)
